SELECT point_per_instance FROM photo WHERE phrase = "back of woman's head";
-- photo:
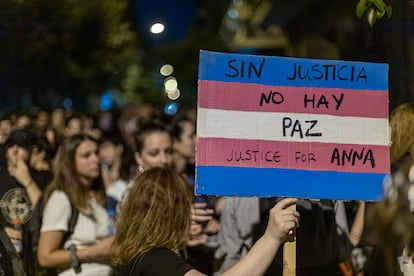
(402, 131)
(156, 213)
(391, 220)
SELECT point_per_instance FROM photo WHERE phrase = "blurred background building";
(103, 54)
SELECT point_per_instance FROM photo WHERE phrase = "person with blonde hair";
(364, 231)
(154, 148)
(154, 224)
(402, 133)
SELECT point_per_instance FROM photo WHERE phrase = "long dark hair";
(66, 177)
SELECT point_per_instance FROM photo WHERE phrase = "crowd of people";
(115, 193)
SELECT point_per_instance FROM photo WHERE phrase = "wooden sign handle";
(289, 254)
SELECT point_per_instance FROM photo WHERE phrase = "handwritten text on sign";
(279, 115)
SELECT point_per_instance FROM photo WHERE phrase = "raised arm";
(20, 171)
(261, 255)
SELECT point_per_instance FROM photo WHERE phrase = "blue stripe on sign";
(297, 72)
(264, 182)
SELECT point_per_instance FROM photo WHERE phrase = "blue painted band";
(297, 72)
(264, 182)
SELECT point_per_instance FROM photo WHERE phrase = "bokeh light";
(67, 103)
(170, 84)
(166, 70)
(171, 108)
(106, 101)
(157, 28)
(174, 95)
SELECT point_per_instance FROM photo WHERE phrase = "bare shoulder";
(194, 272)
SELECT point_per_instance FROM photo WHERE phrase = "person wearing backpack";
(20, 189)
(76, 184)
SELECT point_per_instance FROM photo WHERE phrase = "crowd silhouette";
(140, 163)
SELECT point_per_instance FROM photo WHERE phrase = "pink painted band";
(258, 97)
(292, 155)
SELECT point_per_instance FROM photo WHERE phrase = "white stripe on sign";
(295, 127)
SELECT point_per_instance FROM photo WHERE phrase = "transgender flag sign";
(277, 126)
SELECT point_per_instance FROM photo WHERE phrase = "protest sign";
(278, 126)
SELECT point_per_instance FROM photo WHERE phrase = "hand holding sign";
(283, 220)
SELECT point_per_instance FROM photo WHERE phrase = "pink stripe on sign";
(292, 155)
(258, 97)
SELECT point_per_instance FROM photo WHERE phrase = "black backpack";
(31, 234)
(10, 261)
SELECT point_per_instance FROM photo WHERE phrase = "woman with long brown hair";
(76, 185)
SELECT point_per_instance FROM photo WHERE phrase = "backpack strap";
(71, 226)
(16, 261)
(32, 233)
(72, 223)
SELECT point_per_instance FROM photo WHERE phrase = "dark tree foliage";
(64, 47)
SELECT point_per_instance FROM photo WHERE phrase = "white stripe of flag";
(269, 126)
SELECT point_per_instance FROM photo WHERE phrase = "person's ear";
(137, 157)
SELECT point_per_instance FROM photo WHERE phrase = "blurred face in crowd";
(42, 120)
(73, 127)
(87, 161)
(22, 122)
(108, 152)
(16, 152)
(185, 146)
(156, 151)
(57, 119)
(5, 129)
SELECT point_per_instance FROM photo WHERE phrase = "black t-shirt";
(158, 261)
(316, 237)
(14, 201)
